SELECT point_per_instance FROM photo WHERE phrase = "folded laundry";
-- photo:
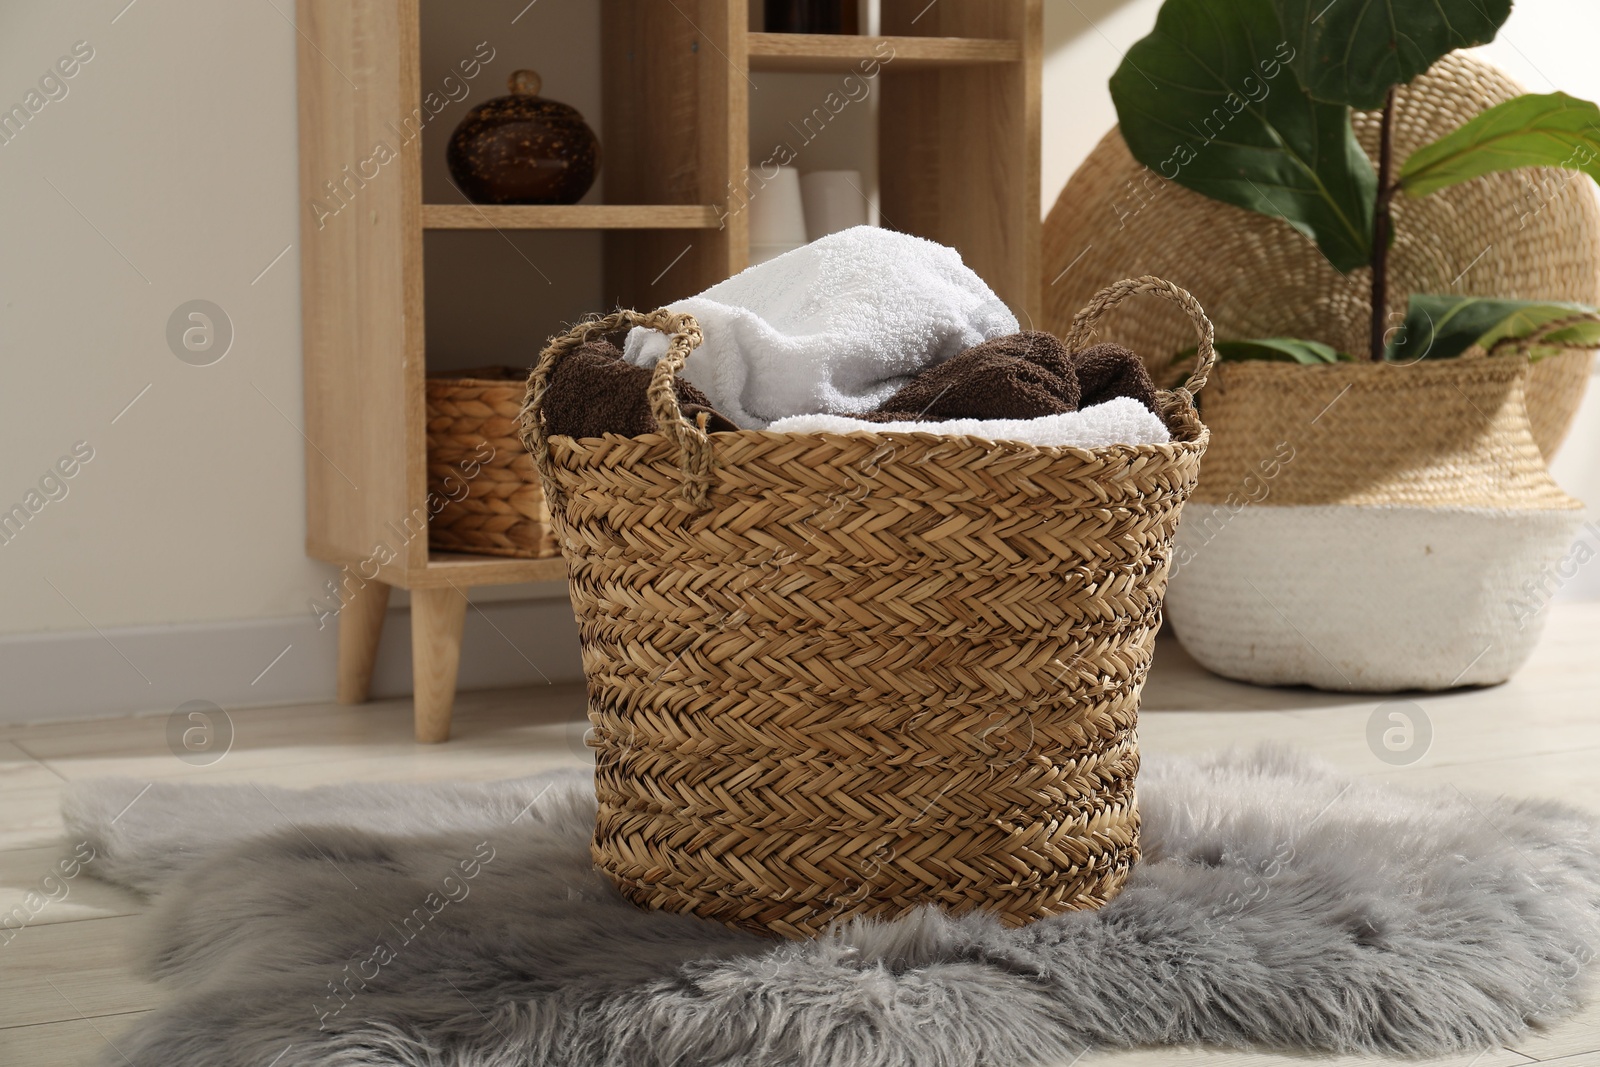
(1021, 387)
(838, 326)
(1119, 421)
(1022, 376)
(593, 391)
(865, 327)
(1108, 370)
(1019, 376)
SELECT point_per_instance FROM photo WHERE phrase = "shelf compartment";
(569, 217)
(828, 52)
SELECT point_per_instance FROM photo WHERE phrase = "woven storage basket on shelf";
(1370, 526)
(486, 488)
(1529, 234)
(837, 675)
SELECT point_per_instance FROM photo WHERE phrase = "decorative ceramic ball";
(523, 149)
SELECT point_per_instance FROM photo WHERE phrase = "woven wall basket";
(1370, 526)
(1527, 234)
(492, 502)
(835, 675)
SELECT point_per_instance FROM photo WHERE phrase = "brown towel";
(1108, 370)
(593, 391)
(1020, 376)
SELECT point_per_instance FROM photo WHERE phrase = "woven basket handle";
(694, 446)
(1084, 321)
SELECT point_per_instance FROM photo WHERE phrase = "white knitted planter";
(1369, 526)
(1375, 598)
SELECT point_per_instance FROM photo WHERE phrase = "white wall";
(166, 174)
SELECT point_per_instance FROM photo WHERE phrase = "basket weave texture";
(473, 441)
(1530, 234)
(837, 675)
(1440, 433)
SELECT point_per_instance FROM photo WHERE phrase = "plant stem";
(1382, 226)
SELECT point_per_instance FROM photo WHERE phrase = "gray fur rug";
(1279, 904)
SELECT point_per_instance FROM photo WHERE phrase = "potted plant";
(1381, 519)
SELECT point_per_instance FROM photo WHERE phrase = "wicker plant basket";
(837, 675)
(1370, 526)
(1530, 234)
(486, 488)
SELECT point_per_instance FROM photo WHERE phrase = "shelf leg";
(437, 616)
(360, 626)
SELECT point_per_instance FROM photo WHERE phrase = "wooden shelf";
(446, 568)
(569, 217)
(959, 150)
(443, 569)
(959, 143)
(828, 52)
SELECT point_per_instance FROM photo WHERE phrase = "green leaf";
(1352, 51)
(1442, 326)
(1207, 101)
(1276, 349)
(1548, 130)
(1281, 349)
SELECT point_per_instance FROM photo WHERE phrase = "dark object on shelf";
(523, 149)
(811, 16)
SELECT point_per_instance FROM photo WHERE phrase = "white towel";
(834, 326)
(1118, 421)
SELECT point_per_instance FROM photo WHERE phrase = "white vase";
(833, 201)
(777, 217)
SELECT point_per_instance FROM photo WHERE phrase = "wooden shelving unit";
(827, 52)
(959, 163)
(569, 217)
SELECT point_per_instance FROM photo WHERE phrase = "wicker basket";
(837, 675)
(484, 487)
(1370, 526)
(1530, 234)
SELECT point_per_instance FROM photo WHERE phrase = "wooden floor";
(68, 989)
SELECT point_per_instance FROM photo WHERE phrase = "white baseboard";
(134, 670)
